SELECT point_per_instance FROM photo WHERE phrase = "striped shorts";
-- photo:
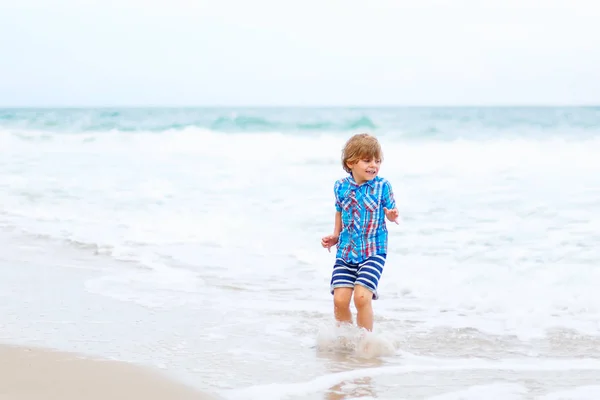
(366, 273)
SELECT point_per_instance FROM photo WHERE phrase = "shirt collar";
(356, 185)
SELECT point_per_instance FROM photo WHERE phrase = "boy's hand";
(329, 241)
(392, 215)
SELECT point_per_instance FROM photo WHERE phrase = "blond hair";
(358, 147)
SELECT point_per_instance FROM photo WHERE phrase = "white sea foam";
(358, 342)
(490, 288)
(504, 391)
(497, 391)
(588, 392)
(497, 234)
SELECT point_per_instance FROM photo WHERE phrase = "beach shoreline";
(31, 373)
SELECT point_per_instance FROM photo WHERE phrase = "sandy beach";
(32, 373)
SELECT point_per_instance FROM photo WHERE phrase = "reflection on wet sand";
(346, 359)
(353, 389)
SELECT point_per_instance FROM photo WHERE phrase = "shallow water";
(197, 250)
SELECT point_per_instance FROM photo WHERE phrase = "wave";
(411, 123)
(160, 120)
(474, 211)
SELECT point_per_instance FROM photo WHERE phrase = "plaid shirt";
(364, 232)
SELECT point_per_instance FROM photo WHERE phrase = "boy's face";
(365, 169)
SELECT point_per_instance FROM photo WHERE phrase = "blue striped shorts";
(366, 273)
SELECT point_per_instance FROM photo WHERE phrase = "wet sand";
(34, 374)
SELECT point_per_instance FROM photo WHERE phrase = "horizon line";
(265, 106)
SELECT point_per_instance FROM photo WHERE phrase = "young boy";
(362, 201)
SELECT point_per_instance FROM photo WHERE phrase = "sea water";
(189, 239)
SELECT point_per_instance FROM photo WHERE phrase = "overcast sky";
(309, 52)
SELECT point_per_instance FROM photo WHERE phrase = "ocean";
(188, 239)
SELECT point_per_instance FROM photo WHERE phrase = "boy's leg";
(369, 273)
(364, 307)
(341, 304)
(343, 277)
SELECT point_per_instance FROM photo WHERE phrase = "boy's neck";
(358, 182)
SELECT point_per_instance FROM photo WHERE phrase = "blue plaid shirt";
(364, 232)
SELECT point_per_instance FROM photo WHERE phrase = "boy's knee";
(362, 297)
(341, 297)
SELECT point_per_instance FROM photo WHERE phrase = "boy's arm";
(389, 203)
(332, 240)
(388, 199)
(337, 226)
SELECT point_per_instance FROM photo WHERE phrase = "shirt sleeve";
(387, 197)
(338, 203)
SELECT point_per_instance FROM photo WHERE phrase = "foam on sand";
(402, 378)
(349, 338)
(29, 374)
